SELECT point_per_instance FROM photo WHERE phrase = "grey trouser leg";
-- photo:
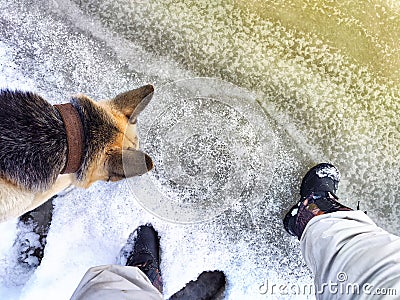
(351, 257)
(114, 282)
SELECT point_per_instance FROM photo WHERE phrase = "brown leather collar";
(75, 137)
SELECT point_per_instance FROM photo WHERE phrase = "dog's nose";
(149, 162)
(146, 90)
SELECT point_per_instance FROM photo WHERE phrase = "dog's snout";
(147, 90)
(136, 163)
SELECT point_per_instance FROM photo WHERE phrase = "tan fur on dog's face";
(121, 158)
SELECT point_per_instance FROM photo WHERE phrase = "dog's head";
(112, 149)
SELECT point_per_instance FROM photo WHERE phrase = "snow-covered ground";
(300, 101)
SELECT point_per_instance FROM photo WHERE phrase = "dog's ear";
(127, 163)
(133, 102)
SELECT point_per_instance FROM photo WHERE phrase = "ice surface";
(212, 147)
(320, 104)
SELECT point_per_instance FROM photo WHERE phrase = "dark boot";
(208, 286)
(33, 228)
(318, 197)
(146, 254)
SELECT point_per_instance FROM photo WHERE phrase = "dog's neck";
(75, 137)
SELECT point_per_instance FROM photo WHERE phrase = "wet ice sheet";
(320, 104)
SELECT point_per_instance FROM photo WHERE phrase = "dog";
(45, 148)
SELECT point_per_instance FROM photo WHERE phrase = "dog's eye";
(111, 151)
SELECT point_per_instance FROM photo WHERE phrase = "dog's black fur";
(33, 140)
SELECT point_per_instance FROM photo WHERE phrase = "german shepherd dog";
(45, 148)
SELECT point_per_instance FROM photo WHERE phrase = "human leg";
(111, 282)
(348, 254)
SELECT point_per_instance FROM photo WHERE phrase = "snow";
(241, 152)
(329, 171)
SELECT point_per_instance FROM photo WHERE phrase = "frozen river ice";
(213, 150)
(249, 95)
